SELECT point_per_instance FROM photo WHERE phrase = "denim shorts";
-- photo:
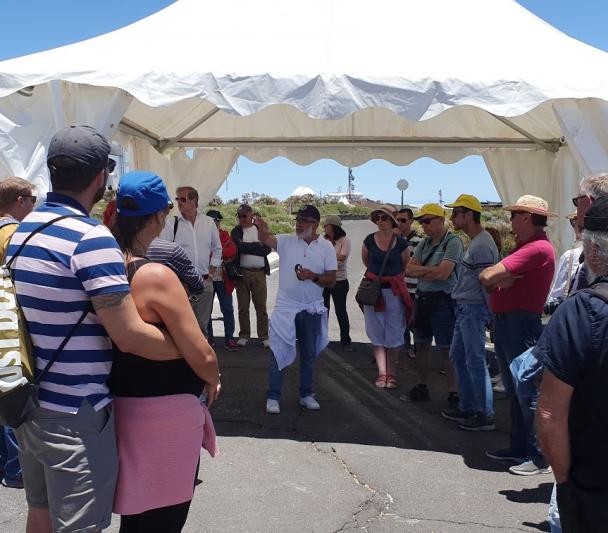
(434, 316)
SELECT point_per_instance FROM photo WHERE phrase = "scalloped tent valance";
(340, 79)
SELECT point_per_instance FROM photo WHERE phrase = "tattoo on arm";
(104, 301)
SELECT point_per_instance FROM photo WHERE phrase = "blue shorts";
(434, 316)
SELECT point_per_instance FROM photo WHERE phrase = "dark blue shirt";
(574, 348)
(375, 256)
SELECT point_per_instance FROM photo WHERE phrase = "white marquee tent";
(350, 80)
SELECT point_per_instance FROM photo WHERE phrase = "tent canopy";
(340, 79)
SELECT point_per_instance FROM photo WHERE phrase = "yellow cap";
(430, 209)
(467, 200)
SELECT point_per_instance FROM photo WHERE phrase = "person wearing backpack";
(71, 285)
(16, 202)
(435, 263)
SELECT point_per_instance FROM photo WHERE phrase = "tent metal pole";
(132, 128)
(174, 140)
(551, 147)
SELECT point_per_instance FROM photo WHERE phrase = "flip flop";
(391, 381)
(381, 381)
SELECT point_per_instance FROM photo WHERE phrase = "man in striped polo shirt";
(72, 267)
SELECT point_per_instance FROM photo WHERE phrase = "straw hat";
(387, 210)
(571, 216)
(531, 204)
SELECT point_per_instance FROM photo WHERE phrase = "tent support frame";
(163, 145)
(550, 146)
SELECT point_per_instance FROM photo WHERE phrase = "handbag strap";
(390, 249)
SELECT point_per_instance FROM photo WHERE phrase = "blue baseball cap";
(147, 191)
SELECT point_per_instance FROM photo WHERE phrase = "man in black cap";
(254, 267)
(308, 265)
(71, 283)
(572, 413)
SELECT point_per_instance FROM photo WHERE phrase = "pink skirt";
(159, 443)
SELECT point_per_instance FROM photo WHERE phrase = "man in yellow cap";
(475, 411)
(435, 263)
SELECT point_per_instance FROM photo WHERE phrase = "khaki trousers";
(252, 286)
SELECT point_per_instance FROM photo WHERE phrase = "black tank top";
(135, 376)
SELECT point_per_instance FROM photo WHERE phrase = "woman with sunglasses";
(385, 322)
(160, 423)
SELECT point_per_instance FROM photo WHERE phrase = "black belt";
(262, 269)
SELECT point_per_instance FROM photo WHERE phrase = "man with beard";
(308, 265)
(71, 283)
(572, 414)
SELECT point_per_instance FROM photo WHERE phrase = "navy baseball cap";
(214, 214)
(596, 218)
(146, 189)
(309, 211)
(82, 144)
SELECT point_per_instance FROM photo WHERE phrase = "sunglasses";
(515, 213)
(456, 212)
(427, 220)
(111, 165)
(32, 198)
(243, 215)
(577, 199)
(573, 222)
(377, 218)
(403, 220)
(181, 199)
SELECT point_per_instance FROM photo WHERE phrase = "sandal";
(391, 381)
(381, 381)
(410, 353)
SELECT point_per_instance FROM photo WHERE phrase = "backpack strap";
(175, 223)
(38, 230)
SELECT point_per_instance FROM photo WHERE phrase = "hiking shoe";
(418, 393)
(266, 343)
(456, 414)
(231, 345)
(15, 483)
(453, 400)
(310, 403)
(528, 468)
(505, 454)
(273, 407)
(478, 423)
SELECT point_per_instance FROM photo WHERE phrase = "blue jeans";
(553, 518)
(9, 450)
(227, 310)
(526, 370)
(308, 328)
(468, 354)
(515, 332)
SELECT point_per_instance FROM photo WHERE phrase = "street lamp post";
(402, 185)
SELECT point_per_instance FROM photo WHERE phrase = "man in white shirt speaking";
(308, 265)
(199, 237)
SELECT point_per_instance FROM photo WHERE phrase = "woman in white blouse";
(337, 236)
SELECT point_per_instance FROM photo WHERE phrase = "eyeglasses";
(305, 220)
(377, 218)
(577, 199)
(32, 198)
(427, 220)
(111, 165)
(242, 215)
(515, 213)
(404, 220)
(181, 199)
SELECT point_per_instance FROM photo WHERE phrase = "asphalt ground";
(365, 462)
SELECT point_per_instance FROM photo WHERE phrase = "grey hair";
(596, 185)
(598, 239)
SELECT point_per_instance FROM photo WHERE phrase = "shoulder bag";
(369, 289)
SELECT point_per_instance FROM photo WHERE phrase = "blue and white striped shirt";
(56, 275)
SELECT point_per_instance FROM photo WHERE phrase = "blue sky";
(33, 25)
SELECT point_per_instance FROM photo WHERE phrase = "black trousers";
(169, 519)
(338, 294)
(582, 511)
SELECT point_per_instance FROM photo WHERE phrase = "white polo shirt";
(318, 256)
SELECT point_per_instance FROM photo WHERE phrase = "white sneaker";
(242, 342)
(273, 407)
(310, 403)
(266, 343)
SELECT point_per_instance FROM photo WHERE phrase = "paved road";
(365, 462)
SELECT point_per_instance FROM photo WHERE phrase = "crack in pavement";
(415, 519)
(376, 504)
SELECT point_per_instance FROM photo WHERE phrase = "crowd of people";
(134, 296)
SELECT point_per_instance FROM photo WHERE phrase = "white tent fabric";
(342, 79)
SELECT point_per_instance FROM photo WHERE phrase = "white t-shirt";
(247, 260)
(318, 256)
